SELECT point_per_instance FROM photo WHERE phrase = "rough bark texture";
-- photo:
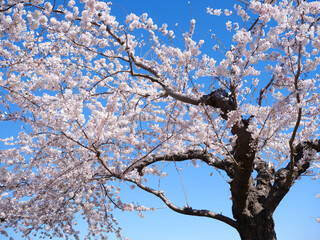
(260, 227)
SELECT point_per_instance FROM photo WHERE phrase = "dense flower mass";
(101, 101)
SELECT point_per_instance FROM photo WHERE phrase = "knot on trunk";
(220, 98)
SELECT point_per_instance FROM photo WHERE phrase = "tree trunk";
(260, 227)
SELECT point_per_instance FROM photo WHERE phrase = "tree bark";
(260, 227)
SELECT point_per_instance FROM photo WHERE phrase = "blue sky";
(295, 216)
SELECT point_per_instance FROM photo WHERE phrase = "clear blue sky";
(294, 218)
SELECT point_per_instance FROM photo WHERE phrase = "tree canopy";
(102, 101)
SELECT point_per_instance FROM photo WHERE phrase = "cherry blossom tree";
(102, 101)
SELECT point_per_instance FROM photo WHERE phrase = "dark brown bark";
(260, 227)
(265, 193)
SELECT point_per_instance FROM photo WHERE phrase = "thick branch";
(191, 154)
(169, 91)
(301, 162)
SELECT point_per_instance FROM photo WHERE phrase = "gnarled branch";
(301, 163)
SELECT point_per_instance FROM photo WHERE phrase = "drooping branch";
(7, 7)
(186, 210)
(301, 163)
